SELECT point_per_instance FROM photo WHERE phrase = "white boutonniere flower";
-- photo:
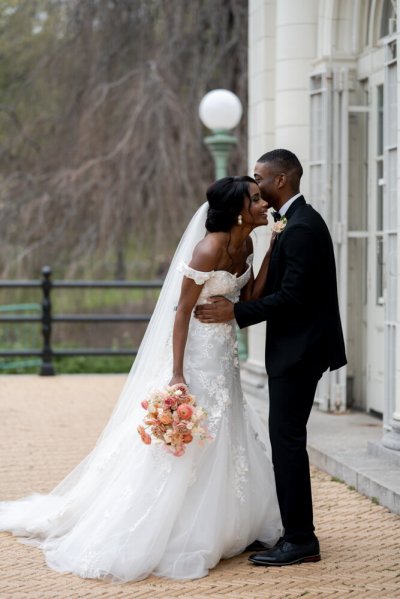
(280, 225)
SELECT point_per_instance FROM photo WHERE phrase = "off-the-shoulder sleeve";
(198, 276)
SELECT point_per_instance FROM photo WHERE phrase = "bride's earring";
(240, 220)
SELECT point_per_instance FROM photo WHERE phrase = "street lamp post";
(220, 111)
(220, 144)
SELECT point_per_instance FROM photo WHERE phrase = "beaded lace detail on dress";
(132, 510)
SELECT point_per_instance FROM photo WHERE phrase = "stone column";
(296, 48)
(262, 30)
(282, 45)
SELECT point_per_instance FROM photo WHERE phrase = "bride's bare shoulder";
(208, 253)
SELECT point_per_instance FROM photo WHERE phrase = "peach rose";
(280, 225)
(165, 419)
(179, 451)
(146, 438)
(185, 411)
(143, 435)
(181, 428)
(158, 430)
(187, 438)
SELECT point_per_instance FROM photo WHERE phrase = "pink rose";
(145, 404)
(183, 390)
(170, 401)
(185, 411)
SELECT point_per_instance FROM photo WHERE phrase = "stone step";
(349, 448)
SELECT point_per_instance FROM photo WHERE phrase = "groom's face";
(268, 181)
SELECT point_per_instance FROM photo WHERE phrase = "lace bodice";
(218, 282)
(211, 355)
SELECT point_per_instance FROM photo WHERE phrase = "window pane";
(380, 120)
(392, 105)
(388, 13)
(391, 181)
(379, 269)
(316, 127)
(316, 82)
(379, 196)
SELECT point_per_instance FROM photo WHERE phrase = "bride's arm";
(256, 286)
(204, 260)
(190, 292)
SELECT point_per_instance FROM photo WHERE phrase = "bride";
(129, 509)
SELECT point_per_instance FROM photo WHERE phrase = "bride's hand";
(177, 380)
(272, 240)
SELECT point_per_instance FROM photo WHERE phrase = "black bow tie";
(276, 216)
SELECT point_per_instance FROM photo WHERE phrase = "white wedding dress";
(130, 510)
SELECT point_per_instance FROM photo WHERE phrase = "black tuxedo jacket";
(300, 305)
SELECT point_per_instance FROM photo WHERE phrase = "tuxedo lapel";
(273, 272)
(296, 204)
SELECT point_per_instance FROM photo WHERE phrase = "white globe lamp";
(220, 111)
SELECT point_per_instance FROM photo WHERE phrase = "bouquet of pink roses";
(173, 419)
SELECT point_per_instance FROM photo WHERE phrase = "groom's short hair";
(285, 161)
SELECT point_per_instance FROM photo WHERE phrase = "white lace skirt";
(132, 510)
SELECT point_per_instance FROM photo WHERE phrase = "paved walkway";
(48, 424)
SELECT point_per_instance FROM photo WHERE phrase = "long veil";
(152, 357)
(42, 517)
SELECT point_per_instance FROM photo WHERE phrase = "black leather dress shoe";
(260, 546)
(286, 553)
(256, 546)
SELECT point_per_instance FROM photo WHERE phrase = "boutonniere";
(280, 225)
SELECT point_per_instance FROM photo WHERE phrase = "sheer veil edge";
(40, 517)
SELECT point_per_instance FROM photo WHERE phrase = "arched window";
(380, 21)
(388, 18)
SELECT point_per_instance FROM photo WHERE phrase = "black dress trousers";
(291, 399)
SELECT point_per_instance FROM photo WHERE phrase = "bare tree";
(102, 155)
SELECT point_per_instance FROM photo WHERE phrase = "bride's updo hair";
(225, 199)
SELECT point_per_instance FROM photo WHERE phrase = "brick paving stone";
(47, 425)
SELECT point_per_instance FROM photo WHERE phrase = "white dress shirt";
(287, 204)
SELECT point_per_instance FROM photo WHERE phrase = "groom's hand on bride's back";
(218, 309)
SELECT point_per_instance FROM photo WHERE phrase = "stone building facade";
(324, 82)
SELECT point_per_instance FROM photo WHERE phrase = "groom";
(304, 338)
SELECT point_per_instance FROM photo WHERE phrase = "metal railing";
(21, 336)
(47, 319)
